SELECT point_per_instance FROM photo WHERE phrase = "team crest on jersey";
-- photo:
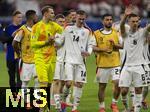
(83, 33)
(101, 39)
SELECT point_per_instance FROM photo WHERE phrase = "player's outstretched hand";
(129, 9)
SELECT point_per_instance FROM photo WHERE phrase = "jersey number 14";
(75, 38)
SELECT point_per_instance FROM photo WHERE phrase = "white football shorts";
(103, 74)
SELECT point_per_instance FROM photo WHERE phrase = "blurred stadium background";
(95, 9)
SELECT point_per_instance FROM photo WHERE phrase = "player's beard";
(73, 21)
(135, 28)
(34, 22)
(108, 26)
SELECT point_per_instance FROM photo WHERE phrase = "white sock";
(61, 96)
(138, 100)
(114, 101)
(57, 100)
(125, 102)
(68, 97)
(132, 95)
(102, 105)
(77, 93)
(65, 93)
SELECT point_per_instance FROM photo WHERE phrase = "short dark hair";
(16, 13)
(106, 15)
(132, 15)
(45, 9)
(81, 12)
(66, 13)
(59, 16)
(29, 14)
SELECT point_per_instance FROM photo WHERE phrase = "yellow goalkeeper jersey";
(40, 33)
(103, 59)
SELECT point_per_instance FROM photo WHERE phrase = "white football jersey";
(75, 41)
(134, 46)
(61, 54)
(116, 26)
(146, 53)
(60, 49)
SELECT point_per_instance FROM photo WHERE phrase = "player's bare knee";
(56, 82)
(138, 90)
(79, 84)
(68, 84)
(102, 86)
(116, 87)
(116, 82)
(62, 82)
(124, 91)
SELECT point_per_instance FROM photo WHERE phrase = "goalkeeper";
(42, 42)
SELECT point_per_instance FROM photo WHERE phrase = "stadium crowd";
(94, 8)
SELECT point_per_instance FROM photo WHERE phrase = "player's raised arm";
(147, 31)
(148, 28)
(128, 11)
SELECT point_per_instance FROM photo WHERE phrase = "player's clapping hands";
(50, 40)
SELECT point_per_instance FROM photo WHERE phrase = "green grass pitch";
(89, 100)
